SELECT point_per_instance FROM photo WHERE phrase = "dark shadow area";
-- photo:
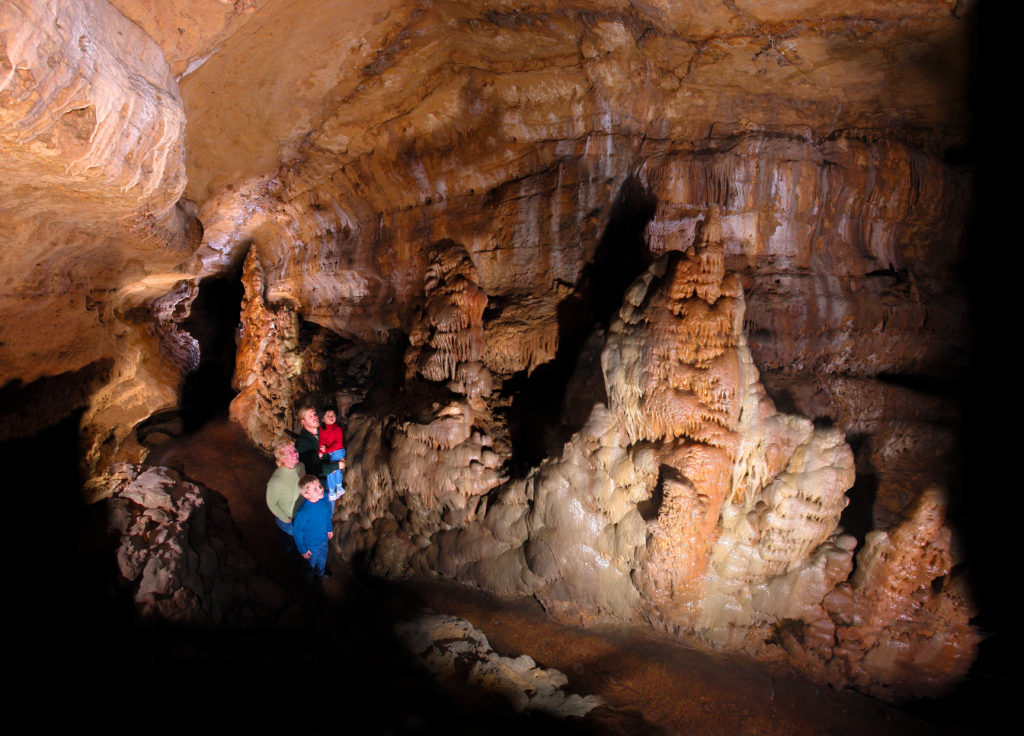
(857, 518)
(159, 427)
(334, 663)
(650, 507)
(343, 671)
(26, 409)
(927, 384)
(538, 418)
(783, 398)
(46, 471)
(343, 373)
(213, 322)
(982, 491)
(61, 578)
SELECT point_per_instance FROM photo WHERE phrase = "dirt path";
(683, 690)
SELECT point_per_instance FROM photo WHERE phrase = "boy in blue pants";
(312, 527)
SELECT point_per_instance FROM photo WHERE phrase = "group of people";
(295, 492)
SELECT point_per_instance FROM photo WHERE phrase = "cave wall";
(480, 202)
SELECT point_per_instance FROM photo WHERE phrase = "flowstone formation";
(747, 497)
(267, 363)
(686, 500)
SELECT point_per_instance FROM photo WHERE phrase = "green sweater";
(283, 491)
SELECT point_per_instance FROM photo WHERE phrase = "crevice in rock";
(344, 374)
(213, 321)
(553, 401)
(857, 518)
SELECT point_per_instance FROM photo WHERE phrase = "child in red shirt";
(332, 443)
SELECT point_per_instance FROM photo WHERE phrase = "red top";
(331, 436)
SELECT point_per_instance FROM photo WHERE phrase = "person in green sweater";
(283, 486)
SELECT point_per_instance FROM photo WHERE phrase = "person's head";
(285, 454)
(310, 488)
(330, 417)
(308, 418)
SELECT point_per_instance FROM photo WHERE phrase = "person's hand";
(309, 553)
(341, 464)
(323, 449)
(330, 535)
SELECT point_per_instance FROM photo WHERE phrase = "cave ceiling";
(397, 117)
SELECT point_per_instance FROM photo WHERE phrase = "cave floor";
(652, 683)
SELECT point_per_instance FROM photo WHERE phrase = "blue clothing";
(284, 526)
(334, 479)
(318, 560)
(310, 527)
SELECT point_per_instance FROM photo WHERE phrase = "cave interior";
(659, 314)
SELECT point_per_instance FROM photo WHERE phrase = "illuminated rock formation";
(268, 363)
(688, 501)
(448, 343)
(92, 149)
(459, 654)
(432, 473)
(903, 620)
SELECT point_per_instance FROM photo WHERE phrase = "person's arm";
(299, 535)
(277, 491)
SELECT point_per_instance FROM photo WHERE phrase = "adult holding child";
(308, 445)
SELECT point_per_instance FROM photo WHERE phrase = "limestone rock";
(903, 624)
(459, 654)
(88, 113)
(93, 165)
(181, 553)
(449, 343)
(267, 362)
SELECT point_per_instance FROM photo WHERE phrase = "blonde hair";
(280, 447)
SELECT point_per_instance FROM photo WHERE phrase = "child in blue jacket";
(312, 526)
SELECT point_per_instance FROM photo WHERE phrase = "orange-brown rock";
(268, 362)
(903, 622)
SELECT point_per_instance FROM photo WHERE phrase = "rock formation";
(557, 263)
(180, 553)
(457, 652)
(687, 500)
(268, 362)
(448, 343)
(903, 612)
